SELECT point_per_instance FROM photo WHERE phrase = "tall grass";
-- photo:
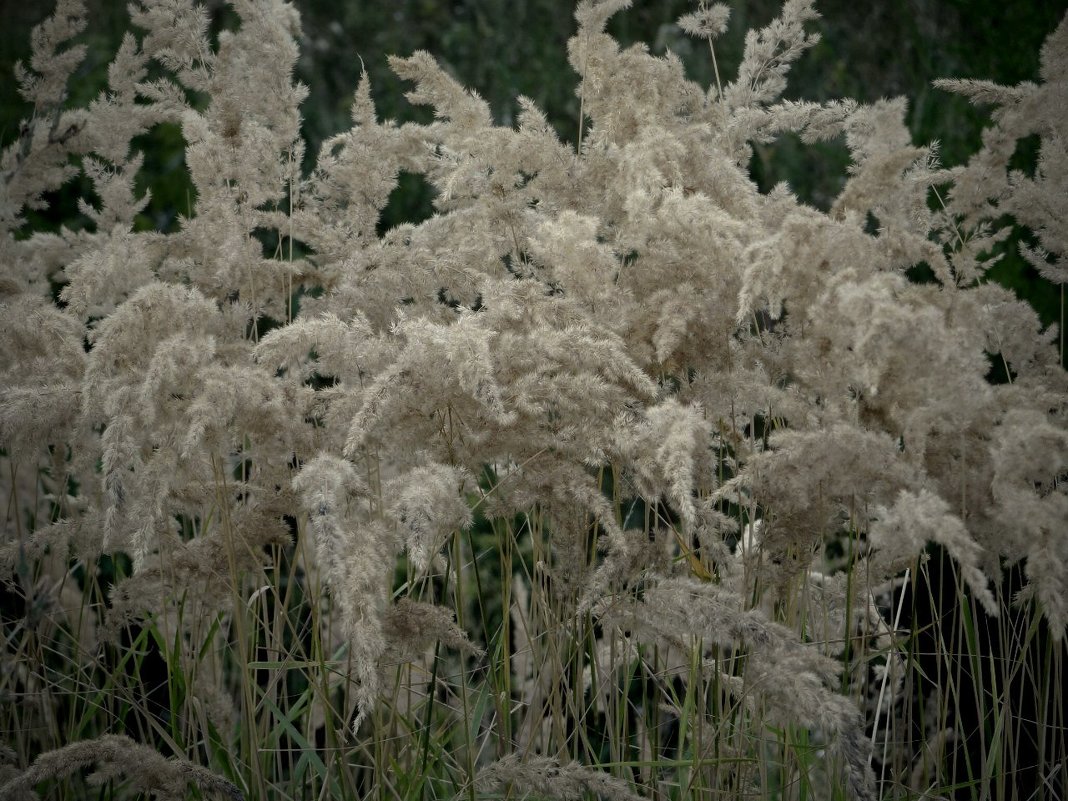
(616, 477)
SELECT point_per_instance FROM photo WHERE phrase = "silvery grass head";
(760, 377)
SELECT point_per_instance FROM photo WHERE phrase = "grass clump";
(615, 476)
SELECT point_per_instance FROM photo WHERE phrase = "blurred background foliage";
(505, 48)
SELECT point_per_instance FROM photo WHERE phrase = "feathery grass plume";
(572, 258)
(986, 187)
(411, 627)
(452, 103)
(1030, 458)
(455, 359)
(37, 162)
(1010, 328)
(807, 483)
(792, 686)
(812, 122)
(428, 505)
(9, 770)
(669, 448)
(197, 573)
(121, 759)
(356, 558)
(45, 83)
(769, 53)
(112, 272)
(790, 678)
(674, 610)
(77, 534)
(881, 150)
(41, 363)
(341, 203)
(902, 531)
(325, 344)
(707, 22)
(177, 37)
(547, 777)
